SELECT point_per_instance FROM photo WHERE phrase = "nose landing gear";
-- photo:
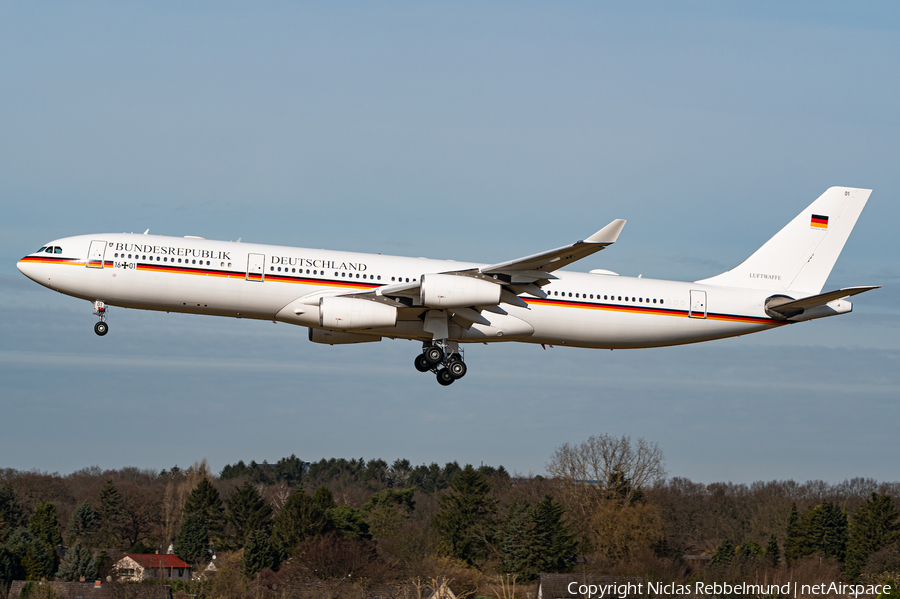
(101, 328)
(444, 359)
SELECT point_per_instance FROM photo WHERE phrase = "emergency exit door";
(698, 304)
(96, 254)
(256, 267)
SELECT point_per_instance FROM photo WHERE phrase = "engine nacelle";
(340, 337)
(352, 313)
(453, 291)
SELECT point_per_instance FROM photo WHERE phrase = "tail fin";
(800, 256)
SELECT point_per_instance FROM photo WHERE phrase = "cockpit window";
(57, 249)
(41, 250)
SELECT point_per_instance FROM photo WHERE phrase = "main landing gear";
(444, 359)
(101, 328)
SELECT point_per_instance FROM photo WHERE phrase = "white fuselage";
(245, 280)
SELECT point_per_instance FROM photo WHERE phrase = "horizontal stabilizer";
(790, 308)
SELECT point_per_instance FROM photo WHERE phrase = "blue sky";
(473, 131)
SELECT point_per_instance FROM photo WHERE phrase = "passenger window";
(357, 275)
(379, 277)
(576, 295)
(620, 298)
(343, 274)
(179, 261)
(157, 258)
(272, 268)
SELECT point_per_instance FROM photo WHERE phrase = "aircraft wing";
(523, 275)
(547, 262)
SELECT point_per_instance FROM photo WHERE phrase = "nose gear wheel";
(101, 328)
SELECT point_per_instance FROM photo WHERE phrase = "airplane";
(346, 297)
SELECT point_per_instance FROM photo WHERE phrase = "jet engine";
(453, 291)
(353, 313)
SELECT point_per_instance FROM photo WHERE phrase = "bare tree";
(605, 465)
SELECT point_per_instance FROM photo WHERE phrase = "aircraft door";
(698, 304)
(256, 267)
(96, 254)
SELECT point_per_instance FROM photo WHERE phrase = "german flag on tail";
(818, 222)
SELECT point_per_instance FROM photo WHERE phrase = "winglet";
(607, 234)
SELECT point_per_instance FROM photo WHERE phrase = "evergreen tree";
(44, 525)
(247, 511)
(465, 520)
(555, 543)
(12, 516)
(723, 554)
(875, 524)
(289, 470)
(827, 531)
(83, 524)
(749, 550)
(258, 554)
(794, 537)
(10, 569)
(400, 498)
(349, 522)
(301, 518)
(517, 543)
(35, 558)
(773, 553)
(111, 511)
(79, 562)
(192, 541)
(323, 498)
(206, 501)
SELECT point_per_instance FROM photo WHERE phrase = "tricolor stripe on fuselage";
(621, 308)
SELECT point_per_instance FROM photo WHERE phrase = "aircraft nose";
(27, 268)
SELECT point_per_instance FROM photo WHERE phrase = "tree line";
(607, 506)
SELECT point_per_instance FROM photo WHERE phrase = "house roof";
(89, 590)
(154, 560)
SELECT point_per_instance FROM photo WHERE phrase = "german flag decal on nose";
(818, 222)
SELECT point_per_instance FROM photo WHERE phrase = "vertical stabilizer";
(800, 257)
